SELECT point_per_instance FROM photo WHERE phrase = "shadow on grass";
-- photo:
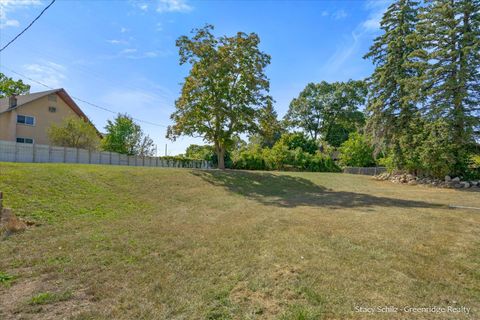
(288, 191)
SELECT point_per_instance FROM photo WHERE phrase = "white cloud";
(143, 7)
(8, 6)
(173, 6)
(50, 73)
(377, 8)
(123, 30)
(352, 43)
(114, 41)
(128, 50)
(339, 14)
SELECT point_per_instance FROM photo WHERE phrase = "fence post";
(16, 151)
(78, 155)
(110, 157)
(49, 153)
(64, 154)
(89, 156)
(34, 147)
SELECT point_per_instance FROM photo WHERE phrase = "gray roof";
(26, 98)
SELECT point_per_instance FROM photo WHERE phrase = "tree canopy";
(126, 137)
(328, 110)
(225, 90)
(10, 87)
(74, 132)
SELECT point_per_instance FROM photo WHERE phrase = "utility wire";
(84, 101)
(31, 23)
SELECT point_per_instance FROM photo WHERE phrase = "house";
(26, 118)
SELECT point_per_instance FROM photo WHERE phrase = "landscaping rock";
(474, 183)
(465, 184)
(448, 178)
(456, 179)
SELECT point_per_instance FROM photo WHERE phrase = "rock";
(410, 177)
(465, 184)
(448, 178)
(474, 183)
(456, 179)
(412, 182)
(457, 185)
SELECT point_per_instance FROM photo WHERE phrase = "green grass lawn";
(152, 243)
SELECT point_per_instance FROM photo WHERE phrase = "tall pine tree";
(449, 31)
(391, 107)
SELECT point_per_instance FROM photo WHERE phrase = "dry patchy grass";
(150, 243)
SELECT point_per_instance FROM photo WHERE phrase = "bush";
(356, 152)
(298, 140)
(281, 158)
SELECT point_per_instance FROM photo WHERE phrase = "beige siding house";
(26, 118)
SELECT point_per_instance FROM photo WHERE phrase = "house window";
(52, 97)
(24, 140)
(26, 120)
(52, 109)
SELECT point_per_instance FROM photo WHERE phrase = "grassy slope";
(119, 242)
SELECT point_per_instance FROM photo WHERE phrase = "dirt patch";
(262, 302)
(268, 302)
(15, 301)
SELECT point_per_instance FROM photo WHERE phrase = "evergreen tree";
(449, 31)
(392, 105)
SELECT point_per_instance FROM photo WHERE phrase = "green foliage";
(6, 278)
(474, 166)
(269, 128)
(423, 104)
(74, 132)
(10, 87)
(392, 97)
(225, 89)
(292, 152)
(124, 136)
(328, 110)
(298, 140)
(356, 152)
(449, 32)
(195, 151)
(50, 297)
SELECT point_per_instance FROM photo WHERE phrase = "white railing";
(38, 153)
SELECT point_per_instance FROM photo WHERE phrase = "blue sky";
(121, 54)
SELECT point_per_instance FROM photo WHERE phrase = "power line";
(31, 23)
(84, 101)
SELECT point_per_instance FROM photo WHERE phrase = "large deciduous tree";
(224, 90)
(391, 104)
(74, 132)
(328, 110)
(126, 137)
(10, 87)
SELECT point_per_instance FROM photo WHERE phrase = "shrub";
(281, 158)
(356, 152)
(298, 140)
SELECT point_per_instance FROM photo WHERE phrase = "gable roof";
(26, 98)
(23, 99)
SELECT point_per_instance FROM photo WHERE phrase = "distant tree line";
(418, 112)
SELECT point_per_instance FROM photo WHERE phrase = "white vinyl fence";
(22, 152)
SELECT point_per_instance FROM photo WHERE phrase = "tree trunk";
(220, 156)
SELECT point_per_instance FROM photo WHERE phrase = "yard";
(148, 243)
